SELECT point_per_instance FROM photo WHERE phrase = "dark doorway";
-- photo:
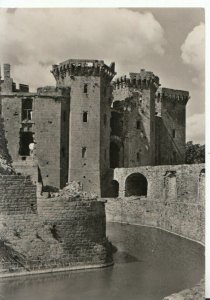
(26, 138)
(114, 155)
(136, 185)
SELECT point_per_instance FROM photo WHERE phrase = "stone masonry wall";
(174, 202)
(49, 233)
(5, 158)
(17, 195)
(11, 113)
(138, 107)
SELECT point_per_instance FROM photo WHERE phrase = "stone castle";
(122, 140)
(88, 125)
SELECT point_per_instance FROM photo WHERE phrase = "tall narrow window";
(138, 157)
(84, 152)
(27, 109)
(85, 116)
(173, 133)
(85, 88)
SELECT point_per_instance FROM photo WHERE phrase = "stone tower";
(170, 126)
(89, 119)
(134, 113)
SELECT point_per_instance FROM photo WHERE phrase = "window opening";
(85, 88)
(85, 116)
(84, 152)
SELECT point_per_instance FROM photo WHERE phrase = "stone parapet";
(83, 67)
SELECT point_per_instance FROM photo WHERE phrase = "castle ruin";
(88, 125)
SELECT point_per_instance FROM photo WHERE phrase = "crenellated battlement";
(83, 67)
(173, 95)
(142, 80)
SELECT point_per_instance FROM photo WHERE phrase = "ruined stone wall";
(47, 117)
(171, 126)
(51, 137)
(49, 233)
(11, 114)
(50, 132)
(137, 95)
(173, 119)
(136, 132)
(175, 199)
(139, 139)
(5, 158)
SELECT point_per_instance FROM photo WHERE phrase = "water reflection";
(149, 264)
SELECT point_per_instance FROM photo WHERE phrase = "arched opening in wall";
(114, 155)
(136, 185)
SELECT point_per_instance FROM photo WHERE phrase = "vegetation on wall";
(195, 153)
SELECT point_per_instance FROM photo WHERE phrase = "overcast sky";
(169, 42)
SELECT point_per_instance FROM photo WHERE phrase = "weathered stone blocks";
(174, 203)
(63, 231)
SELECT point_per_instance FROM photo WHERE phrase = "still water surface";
(149, 264)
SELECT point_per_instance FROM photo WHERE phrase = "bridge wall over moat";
(169, 197)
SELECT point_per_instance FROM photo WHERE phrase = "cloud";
(196, 128)
(193, 50)
(31, 39)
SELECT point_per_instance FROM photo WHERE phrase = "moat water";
(149, 264)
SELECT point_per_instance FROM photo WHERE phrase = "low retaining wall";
(185, 219)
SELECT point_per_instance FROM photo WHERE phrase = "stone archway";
(136, 185)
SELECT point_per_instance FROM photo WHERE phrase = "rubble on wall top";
(73, 190)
